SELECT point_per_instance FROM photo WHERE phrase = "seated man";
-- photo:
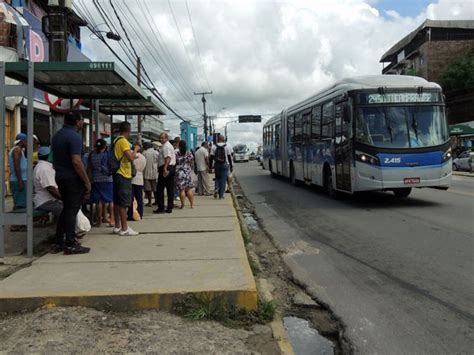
(47, 197)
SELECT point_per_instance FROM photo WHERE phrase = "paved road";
(399, 272)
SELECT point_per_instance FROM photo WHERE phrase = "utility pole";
(55, 27)
(139, 117)
(204, 109)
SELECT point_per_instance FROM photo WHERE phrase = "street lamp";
(211, 120)
(225, 127)
(109, 34)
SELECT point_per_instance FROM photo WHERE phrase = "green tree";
(460, 73)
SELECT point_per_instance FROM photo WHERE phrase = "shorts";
(150, 185)
(102, 192)
(122, 191)
(19, 197)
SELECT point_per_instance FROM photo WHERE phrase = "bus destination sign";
(399, 97)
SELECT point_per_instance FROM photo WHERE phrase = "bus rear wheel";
(328, 187)
(403, 192)
(293, 179)
(270, 167)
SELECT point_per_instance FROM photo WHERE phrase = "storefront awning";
(89, 80)
(462, 129)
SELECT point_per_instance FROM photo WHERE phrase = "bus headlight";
(447, 155)
(367, 158)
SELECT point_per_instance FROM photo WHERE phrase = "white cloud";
(261, 56)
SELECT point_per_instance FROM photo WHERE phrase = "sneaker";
(116, 230)
(56, 248)
(215, 194)
(128, 233)
(158, 211)
(76, 249)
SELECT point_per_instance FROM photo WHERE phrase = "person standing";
(18, 171)
(137, 186)
(202, 168)
(72, 180)
(221, 157)
(150, 174)
(166, 178)
(102, 183)
(123, 180)
(184, 177)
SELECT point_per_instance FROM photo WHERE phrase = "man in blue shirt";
(72, 180)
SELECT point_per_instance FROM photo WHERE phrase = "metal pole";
(139, 117)
(96, 120)
(2, 158)
(29, 182)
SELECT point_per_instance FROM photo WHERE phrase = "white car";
(462, 161)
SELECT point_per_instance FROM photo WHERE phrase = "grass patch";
(206, 308)
(254, 265)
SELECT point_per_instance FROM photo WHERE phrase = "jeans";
(167, 183)
(137, 194)
(53, 206)
(72, 194)
(222, 171)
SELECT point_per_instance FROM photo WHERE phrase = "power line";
(197, 45)
(173, 78)
(182, 42)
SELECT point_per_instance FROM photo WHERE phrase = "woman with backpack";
(184, 171)
(102, 183)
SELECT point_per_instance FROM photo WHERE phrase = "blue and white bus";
(384, 132)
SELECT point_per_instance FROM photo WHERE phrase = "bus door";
(307, 153)
(343, 147)
(278, 152)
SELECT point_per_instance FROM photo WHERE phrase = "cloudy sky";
(258, 56)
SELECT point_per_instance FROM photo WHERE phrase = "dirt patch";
(89, 331)
(286, 291)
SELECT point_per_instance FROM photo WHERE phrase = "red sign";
(62, 105)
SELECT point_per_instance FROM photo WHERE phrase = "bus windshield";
(401, 126)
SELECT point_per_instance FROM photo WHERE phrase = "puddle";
(250, 221)
(306, 340)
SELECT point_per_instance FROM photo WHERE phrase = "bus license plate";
(411, 181)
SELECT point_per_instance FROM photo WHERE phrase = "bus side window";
(328, 121)
(291, 129)
(316, 125)
(298, 129)
(277, 136)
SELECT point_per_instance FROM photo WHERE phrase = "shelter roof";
(89, 80)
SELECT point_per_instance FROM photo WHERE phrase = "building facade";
(427, 52)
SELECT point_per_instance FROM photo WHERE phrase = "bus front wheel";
(403, 192)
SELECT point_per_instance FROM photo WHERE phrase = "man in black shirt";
(72, 180)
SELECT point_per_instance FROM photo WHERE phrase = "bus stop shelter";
(106, 86)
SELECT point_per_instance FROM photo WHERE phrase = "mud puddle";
(306, 340)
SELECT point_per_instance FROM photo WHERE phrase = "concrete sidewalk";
(192, 251)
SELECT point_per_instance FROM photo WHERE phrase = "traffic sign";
(250, 118)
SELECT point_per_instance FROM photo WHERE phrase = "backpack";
(220, 154)
(113, 164)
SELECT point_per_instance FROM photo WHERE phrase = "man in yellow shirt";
(123, 180)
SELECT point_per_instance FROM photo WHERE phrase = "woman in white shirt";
(137, 185)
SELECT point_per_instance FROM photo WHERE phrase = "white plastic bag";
(83, 225)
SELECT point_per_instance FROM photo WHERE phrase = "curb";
(465, 174)
(264, 288)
